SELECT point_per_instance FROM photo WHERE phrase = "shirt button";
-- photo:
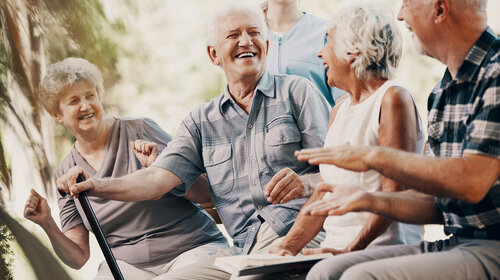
(250, 125)
(285, 138)
(253, 229)
(250, 154)
(259, 207)
(254, 183)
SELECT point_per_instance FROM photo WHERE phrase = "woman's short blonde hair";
(369, 29)
(63, 75)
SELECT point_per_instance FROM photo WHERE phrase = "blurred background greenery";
(153, 59)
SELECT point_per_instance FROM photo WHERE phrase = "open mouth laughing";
(326, 66)
(246, 55)
(86, 117)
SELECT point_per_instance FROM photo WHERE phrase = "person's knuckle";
(281, 195)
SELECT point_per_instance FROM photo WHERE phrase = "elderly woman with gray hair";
(361, 54)
(148, 238)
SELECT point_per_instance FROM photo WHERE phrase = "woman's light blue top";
(295, 53)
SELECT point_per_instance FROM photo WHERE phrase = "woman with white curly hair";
(362, 52)
(148, 238)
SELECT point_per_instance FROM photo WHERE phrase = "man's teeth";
(87, 117)
(244, 55)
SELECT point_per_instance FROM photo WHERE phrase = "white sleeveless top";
(359, 125)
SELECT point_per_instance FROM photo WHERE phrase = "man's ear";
(441, 10)
(213, 55)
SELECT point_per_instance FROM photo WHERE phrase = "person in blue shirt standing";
(294, 40)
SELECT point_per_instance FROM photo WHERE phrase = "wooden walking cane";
(96, 228)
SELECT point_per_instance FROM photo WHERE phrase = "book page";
(234, 264)
(267, 259)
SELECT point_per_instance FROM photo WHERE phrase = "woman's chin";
(87, 126)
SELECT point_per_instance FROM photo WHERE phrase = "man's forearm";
(146, 184)
(468, 178)
(408, 207)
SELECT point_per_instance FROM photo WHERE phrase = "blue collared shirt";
(295, 53)
(241, 152)
(464, 118)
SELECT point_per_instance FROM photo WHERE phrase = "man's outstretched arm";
(407, 206)
(468, 178)
(145, 184)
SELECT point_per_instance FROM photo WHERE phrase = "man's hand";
(314, 251)
(282, 251)
(348, 157)
(37, 209)
(67, 182)
(146, 152)
(284, 186)
(344, 199)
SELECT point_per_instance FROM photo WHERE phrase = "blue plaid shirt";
(464, 117)
(241, 152)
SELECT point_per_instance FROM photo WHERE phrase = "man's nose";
(245, 40)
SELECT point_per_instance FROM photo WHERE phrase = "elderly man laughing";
(240, 139)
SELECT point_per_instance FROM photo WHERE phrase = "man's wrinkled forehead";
(418, 1)
(238, 20)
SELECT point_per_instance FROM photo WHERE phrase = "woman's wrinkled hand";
(146, 152)
(37, 209)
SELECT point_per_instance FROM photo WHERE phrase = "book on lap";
(266, 263)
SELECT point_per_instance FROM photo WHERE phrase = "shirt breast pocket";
(282, 139)
(219, 168)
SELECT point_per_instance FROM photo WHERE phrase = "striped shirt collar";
(264, 86)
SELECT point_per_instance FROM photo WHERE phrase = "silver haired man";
(240, 140)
